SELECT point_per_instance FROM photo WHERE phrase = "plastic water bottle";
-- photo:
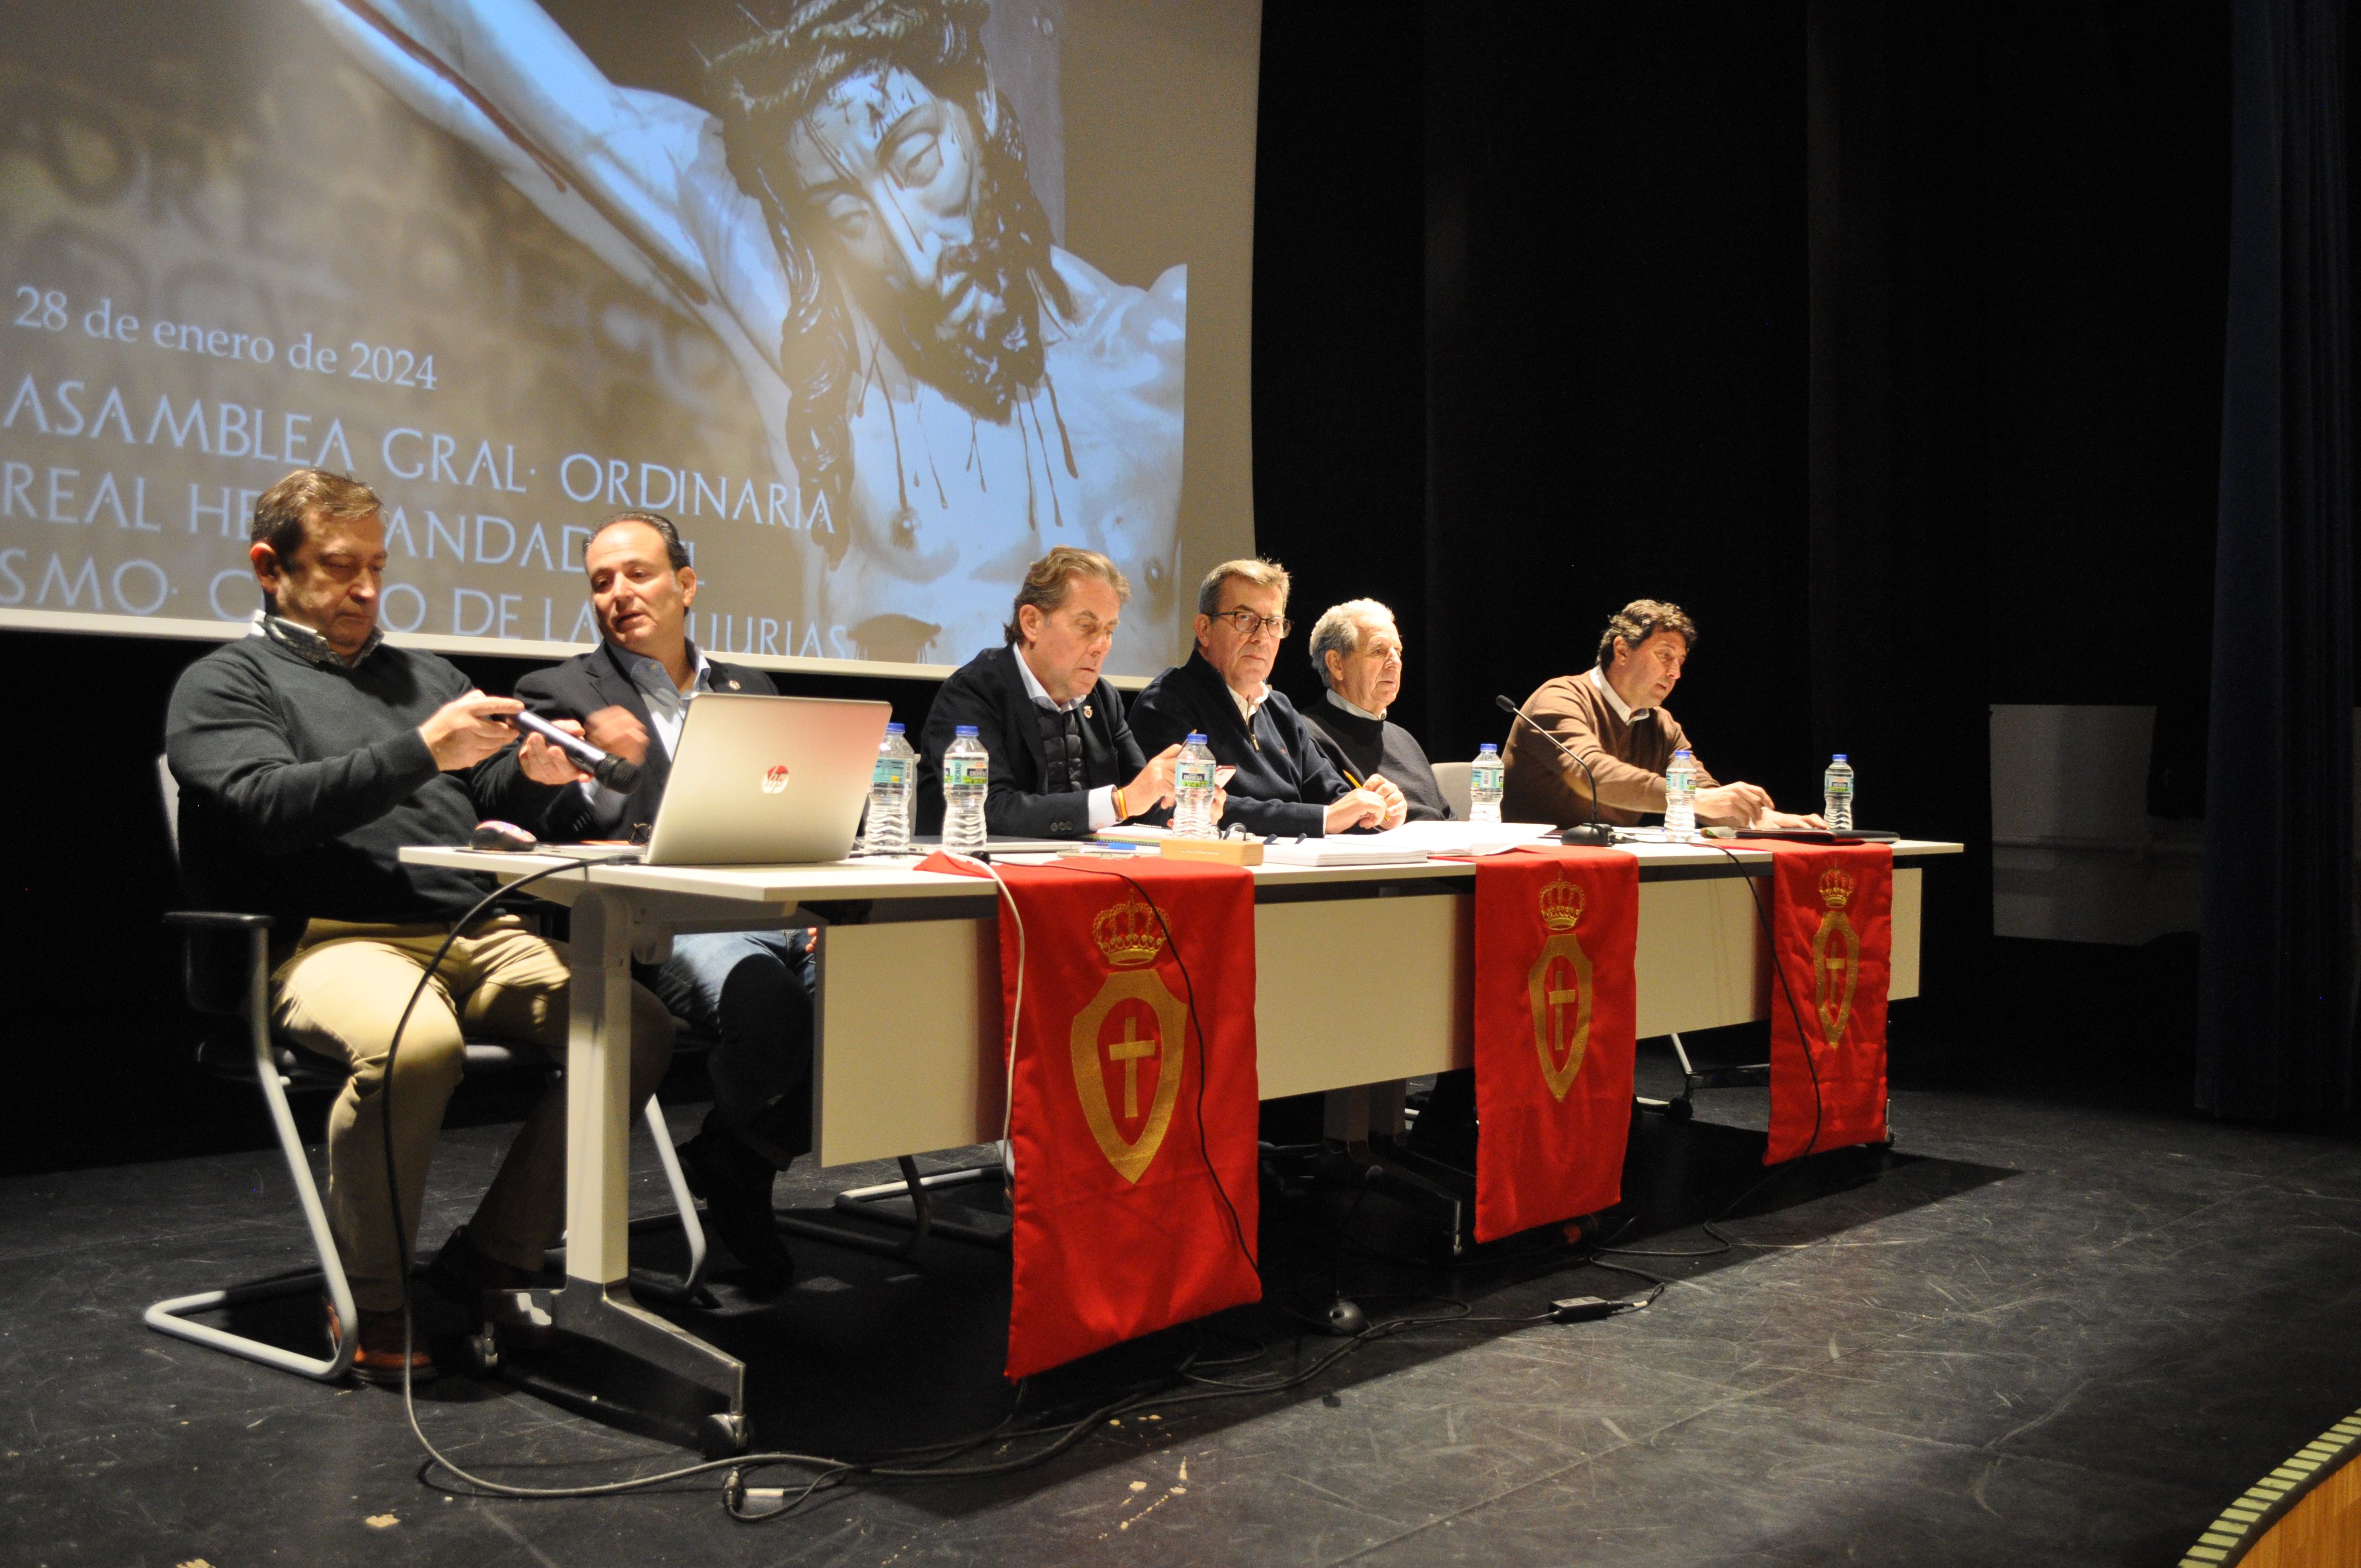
(1192, 789)
(1484, 776)
(967, 770)
(1680, 795)
(888, 829)
(1836, 795)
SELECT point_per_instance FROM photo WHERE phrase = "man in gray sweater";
(309, 753)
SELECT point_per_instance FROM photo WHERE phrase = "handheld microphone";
(618, 774)
(1593, 831)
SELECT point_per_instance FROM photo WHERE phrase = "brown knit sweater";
(1629, 758)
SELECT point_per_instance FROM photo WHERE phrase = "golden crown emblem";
(1128, 933)
(1562, 905)
(1836, 889)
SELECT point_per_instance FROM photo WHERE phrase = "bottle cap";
(1840, 757)
(893, 729)
(1196, 738)
(1486, 746)
(1684, 752)
(964, 731)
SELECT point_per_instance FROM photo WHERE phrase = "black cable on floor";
(830, 1472)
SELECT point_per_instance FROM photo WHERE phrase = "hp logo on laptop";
(775, 782)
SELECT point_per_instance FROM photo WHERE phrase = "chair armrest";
(215, 920)
(218, 957)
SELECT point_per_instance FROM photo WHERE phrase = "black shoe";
(735, 1183)
(466, 1276)
(475, 1281)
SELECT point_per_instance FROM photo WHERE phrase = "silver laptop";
(767, 781)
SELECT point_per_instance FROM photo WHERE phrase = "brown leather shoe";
(376, 1348)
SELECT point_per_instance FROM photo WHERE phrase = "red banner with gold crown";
(1832, 956)
(1555, 1007)
(1133, 1099)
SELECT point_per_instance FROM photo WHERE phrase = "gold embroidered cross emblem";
(1129, 1050)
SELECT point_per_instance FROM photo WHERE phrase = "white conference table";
(1362, 976)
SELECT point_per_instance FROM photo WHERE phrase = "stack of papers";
(1406, 845)
(1411, 842)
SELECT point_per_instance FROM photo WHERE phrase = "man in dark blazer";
(1063, 763)
(748, 991)
(1285, 785)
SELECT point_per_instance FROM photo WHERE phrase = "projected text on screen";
(812, 303)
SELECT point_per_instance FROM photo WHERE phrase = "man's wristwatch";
(1120, 814)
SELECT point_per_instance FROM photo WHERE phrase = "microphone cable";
(1803, 1035)
(1237, 1226)
(830, 1470)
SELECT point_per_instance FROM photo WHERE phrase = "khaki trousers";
(340, 995)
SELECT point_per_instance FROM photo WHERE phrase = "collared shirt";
(667, 704)
(1101, 801)
(1624, 711)
(1355, 708)
(1249, 706)
(308, 644)
(668, 707)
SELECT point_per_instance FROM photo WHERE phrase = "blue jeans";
(751, 992)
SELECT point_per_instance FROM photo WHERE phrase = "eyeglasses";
(1251, 625)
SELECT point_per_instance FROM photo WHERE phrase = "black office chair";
(225, 960)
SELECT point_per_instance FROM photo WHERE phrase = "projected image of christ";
(849, 212)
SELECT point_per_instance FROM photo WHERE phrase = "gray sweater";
(300, 782)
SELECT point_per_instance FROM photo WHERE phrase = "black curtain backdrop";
(1898, 456)
(1616, 334)
(2276, 1008)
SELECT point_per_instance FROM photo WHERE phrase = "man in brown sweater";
(1612, 716)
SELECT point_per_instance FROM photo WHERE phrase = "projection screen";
(878, 299)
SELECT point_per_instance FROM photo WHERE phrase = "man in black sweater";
(750, 990)
(309, 754)
(1285, 784)
(1063, 763)
(1358, 650)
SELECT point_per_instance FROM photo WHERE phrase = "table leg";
(595, 1301)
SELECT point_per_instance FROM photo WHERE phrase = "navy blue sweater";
(302, 783)
(1285, 783)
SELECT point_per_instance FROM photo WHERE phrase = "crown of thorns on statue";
(785, 66)
(761, 86)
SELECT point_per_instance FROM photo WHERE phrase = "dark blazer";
(579, 687)
(988, 692)
(1285, 783)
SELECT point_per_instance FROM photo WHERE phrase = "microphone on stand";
(1593, 831)
(618, 774)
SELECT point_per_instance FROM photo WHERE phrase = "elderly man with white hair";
(1358, 650)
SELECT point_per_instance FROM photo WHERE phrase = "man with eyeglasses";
(1357, 649)
(1613, 717)
(1285, 785)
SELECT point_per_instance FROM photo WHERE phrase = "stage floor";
(2039, 1332)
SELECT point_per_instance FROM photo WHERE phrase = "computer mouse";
(1346, 1319)
(498, 835)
